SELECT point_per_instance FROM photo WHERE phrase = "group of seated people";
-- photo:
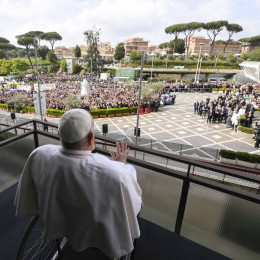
(229, 110)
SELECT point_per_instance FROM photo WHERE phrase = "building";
(197, 43)
(230, 49)
(63, 52)
(106, 52)
(152, 48)
(247, 48)
(135, 44)
(84, 49)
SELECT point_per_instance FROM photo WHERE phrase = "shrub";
(242, 119)
(227, 154)
(243, 156)
(246, 130)
(5, 136)
(55, 112)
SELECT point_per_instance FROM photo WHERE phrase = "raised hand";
(121, 152)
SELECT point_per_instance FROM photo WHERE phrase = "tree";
(51, 56)
(255, 41)
(4, 40)
(76, 68)
(93, 57)
(6, 66)
(119, 51)
(135, 56)
(27, 42)
(19, 65)
(255, 55)
(72, 101)
(189, 30)
(1, 55)
(63, 65)
(77, 52)
(215, 29)
(179, 45)
(175, 30)
(4, 47)
(20, 100)
(232, 28)
(34, 34)
(51, 37)
(163, 45)
(42, 51)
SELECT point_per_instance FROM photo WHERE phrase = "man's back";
(85, 197)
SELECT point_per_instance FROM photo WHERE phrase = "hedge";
(243, 156)
(246, 130)
(222, 89)
(56, 112)
(5, 136)
(242, 119)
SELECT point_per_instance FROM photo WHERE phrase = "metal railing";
(185, 170)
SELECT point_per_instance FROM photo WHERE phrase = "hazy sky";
(122, 19)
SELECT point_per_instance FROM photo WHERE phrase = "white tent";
(251, 70)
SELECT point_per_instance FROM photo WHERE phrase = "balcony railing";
(211, 212)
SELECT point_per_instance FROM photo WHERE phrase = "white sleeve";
(26, 201)
(131, 168)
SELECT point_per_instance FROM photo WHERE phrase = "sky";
(119, 20)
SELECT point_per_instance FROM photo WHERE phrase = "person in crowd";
(235, 119)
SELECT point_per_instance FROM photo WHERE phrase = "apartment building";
(196, 44)
(135, 44)
(63, 52)
(230, 49)
(246, 48)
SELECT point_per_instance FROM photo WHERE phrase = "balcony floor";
(155, 242)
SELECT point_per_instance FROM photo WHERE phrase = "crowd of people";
(103, 93)
(229, 107)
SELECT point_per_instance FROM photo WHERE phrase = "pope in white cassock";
(83, 196)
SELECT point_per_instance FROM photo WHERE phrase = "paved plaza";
(175, 128)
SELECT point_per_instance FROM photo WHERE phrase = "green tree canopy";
(213, 30)
(77, 52)
(232, 28)
(255, 55)
(34, 34)
(189, 30)
(27, 42)
(51, 37)
(4, 40)
(63, 65)
(175, 30)
(135, 56)
(179, 45)
(5, 66)
(72, 101)
(4, 47)
(51, 56)
(119, 51)
(19, 65)
(93, 57)
(42, 51)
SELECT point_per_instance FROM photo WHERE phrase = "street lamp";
(37, 75)
(152, 67)
(195, 80)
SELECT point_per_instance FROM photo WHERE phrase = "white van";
(222, 80)
(213, 80)
(179, 67)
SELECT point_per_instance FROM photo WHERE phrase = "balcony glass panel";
(161, 195)
(224, 223)
(12, 159)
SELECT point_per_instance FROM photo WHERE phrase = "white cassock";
(84, 87)
(87, 198)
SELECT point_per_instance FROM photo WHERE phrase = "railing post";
(35, 135)
(182, 204)
(216, 158)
